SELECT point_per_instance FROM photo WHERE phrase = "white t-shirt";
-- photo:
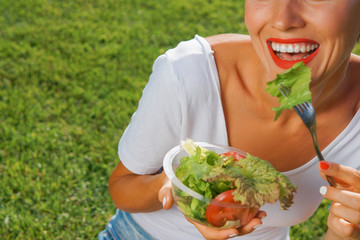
(182, 100)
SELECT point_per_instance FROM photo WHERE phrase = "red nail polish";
(324, 165)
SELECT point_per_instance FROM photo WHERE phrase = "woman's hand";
(344, 216)
(210, 233)
(165, 193)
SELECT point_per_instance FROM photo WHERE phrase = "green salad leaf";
(256, 182)
(297, 78)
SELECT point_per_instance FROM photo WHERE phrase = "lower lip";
(288, 64)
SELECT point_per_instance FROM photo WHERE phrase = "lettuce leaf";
(297, 78)
(256, 182)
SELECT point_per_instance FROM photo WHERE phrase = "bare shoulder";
(229, 42)
(232, 48)
(227, 38)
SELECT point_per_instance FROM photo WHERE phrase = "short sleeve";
(154, 127)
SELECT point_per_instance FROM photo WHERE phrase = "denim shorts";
(123, 227)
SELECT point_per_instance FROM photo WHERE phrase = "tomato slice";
(236, 155)
(217, 215)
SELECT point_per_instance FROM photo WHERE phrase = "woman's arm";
(344, 215)
(135, 193)
(145, 193)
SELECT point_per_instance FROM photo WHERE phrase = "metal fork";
(307, 113)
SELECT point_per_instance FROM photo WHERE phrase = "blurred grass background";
(71, 74)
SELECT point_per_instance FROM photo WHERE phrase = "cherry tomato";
(217, 215)
(236, 155)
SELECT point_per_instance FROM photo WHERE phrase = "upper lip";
(293, 45)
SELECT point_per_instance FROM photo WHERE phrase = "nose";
(287, 15)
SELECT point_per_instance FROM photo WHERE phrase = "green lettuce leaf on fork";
(297, 79)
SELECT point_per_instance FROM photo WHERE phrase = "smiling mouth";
(286, 53)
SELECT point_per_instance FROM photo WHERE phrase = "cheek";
(342, 22)
(255, 16)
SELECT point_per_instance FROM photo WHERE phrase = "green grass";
(71, 74)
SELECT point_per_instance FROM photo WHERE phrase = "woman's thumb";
(165, 195)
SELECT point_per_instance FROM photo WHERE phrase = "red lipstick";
(286, 52)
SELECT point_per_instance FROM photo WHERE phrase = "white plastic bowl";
(180, 190)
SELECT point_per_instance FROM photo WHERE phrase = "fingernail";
(256, 226)
(164, 201)
(329, 206)
(323, 190)
(232, 235)
(324, 165)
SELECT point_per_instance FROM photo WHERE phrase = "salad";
(297, 79)
(245, 181)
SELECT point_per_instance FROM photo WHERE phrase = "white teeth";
(290, 48)
(283, 48)
(297, 48)
(302, 49)
(293, 48)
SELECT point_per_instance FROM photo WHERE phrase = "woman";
(213, 89)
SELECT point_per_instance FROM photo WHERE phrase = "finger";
(210, 233)
(261, 214)
(347, 198)
(346, 213)
(165, 194)
(342, 173)
(343, 228)
(250, 227)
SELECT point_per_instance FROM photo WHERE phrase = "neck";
(330, 90)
